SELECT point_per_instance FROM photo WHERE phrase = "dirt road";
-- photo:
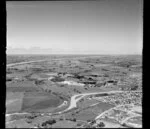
(28, 62)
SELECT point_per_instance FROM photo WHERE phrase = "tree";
(49, 122)
(101, 124)
(134, 87)
(74, 119)
(92, 121)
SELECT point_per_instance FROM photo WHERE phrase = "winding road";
(75, 98)
(73, 101)
(28, 62)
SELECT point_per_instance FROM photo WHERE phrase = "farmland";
(73, 91)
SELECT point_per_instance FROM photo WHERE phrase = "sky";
(75, 27)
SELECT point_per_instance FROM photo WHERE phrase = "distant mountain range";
(38, 50)
(34, 50)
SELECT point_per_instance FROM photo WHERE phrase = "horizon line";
(71, 54)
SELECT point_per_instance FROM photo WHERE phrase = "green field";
(14, 101)
(19, 101)
(35, 101)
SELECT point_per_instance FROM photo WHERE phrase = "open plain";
(84, 91)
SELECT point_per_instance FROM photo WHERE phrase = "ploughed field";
(31, 102)
(25, 98)
(35, 101)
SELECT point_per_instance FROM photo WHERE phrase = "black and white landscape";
(74, 64)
